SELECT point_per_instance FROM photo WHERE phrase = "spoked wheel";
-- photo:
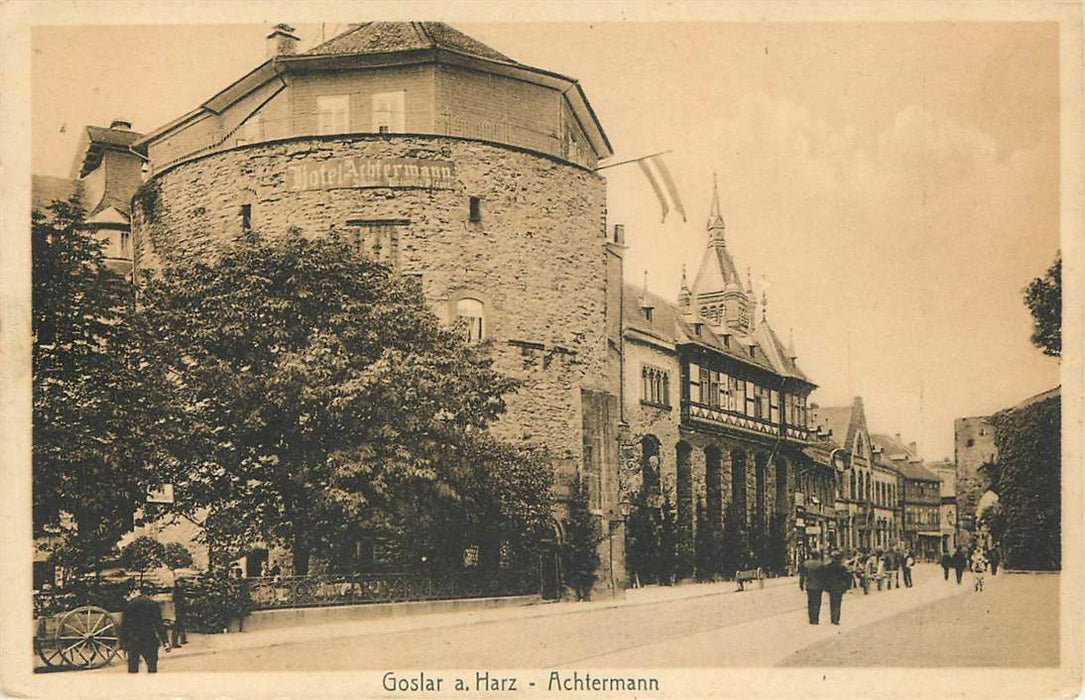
(46, 647)
(87, 637)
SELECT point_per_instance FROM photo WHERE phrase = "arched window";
(472, 311)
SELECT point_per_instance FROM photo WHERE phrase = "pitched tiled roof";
(669, 325)
(388, 37)
(836, 419)
(916, 471)
(892, 448)
(45, 189)
(776, 352)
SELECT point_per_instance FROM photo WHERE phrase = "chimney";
(282, 41)
(122, 124)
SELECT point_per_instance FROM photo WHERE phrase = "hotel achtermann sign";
(372, 172)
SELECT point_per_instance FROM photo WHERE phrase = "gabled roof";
(779, 355)
(45, 189)
(717, 270)
(389, 37)
(843, 421)
(95, 141)
(670, 326)
(892, 448)
(916, 471)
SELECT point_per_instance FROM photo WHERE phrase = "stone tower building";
(452, 163)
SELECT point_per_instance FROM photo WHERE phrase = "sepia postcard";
(535, 350)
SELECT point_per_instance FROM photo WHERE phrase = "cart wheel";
(46, 647)
(87, 637)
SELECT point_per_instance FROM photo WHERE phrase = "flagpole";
(631, 160)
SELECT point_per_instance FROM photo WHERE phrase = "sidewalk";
(207, 644)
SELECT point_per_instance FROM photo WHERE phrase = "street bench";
(748, 576)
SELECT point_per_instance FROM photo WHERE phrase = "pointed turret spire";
(791, 345)
(683, 292)
(716, 226)
(764, 304)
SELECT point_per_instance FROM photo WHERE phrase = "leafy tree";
(323, 398)
(706, 544)
(97, 419)
(1043, 296)
(176, 556)
(667, 567)
(142, 554)
(1030, 470)
(642, 543)
(774, 556)
(734, 545)
(582, 537)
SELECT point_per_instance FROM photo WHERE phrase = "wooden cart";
(86, 637)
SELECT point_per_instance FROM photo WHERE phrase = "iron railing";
(353, 589)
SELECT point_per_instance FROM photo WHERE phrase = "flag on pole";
(656, 170)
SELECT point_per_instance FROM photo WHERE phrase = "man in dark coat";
(179, 635)
(960, 563)
(810, 579)
(946, 561)
(835, 579)
(141, 632)
(993, 558)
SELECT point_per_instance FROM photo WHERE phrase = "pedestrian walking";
(960, 563)
(993, 557)
(881, 568)
(179, 635)
(906, 568)
(891, 567)
(835, 579)
(946, 562)
(142, 630)
(810, 576)
(979, 569)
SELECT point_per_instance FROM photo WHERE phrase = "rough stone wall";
(642, 419)
(974, 446)
(537, 257)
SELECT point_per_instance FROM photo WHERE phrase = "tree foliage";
(1043, 296)
(706, 544)
(323, 398)
(96, 410)
(142, 554)
(1030, 465)
(735, 543)
(582, 537)
(176, 556)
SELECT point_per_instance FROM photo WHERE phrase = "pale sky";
(893, 186)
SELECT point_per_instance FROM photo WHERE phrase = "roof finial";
(685, 284)
(749, 279)
(764, 304)
(791, 344)
(715, 219)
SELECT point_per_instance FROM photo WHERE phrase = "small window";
(474, 209)
(389, 113)
(970, 442)
(126, 244)
(246, 217)
(472, 311)
(648, 313)
(333, 114)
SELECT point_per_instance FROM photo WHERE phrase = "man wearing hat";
(835, 579)
(810, 580)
